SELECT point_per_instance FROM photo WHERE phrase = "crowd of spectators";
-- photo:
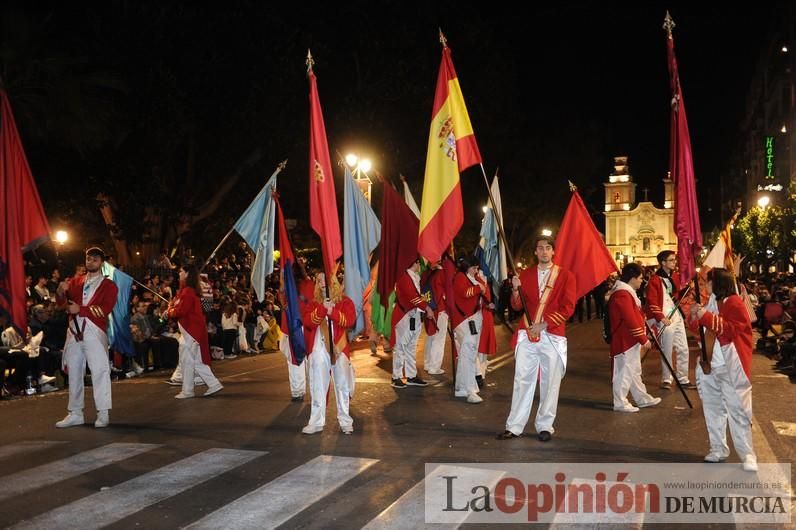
(237, 322)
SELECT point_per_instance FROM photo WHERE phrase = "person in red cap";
(89, 301)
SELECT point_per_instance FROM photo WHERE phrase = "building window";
(617, 197)
(646, 244)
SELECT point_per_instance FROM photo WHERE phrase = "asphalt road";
(239, 457)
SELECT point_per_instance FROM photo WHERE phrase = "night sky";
(158, 105)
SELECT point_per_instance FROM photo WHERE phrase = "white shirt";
(542, 275)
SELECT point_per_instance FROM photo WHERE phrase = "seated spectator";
(40, 293)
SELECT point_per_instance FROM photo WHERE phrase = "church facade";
(636, 231)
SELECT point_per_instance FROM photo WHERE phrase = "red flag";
(399, 228)
(580, 248)
(23, 225)
(323, 202)
(681, 165)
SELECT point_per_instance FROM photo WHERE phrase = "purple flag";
(681, 165)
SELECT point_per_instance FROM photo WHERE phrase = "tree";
(767, 235)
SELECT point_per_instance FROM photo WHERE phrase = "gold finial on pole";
(310, 61)
(442, 39)
(282, 165)
(668, 24)
(572, 186)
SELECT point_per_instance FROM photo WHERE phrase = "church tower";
(620, 191)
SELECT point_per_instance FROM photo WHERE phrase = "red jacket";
(628, 326)
(732, 324)
(407, 297)
(343, 316)
(488, 340)
(560, 302)
(654, 296)
(466, 299)
(187, 309)
(100, 305)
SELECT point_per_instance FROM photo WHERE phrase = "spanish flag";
(451, 149)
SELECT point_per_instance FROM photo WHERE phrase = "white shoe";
(348, 429)
(474, 398)
(183, 395)
(460, 393)
(102, 419)
(213, 389)
(44, 379)
(435, 371)
(47, 388)
(650, 403)
(750, 463)
(626, 408)
(72, 419)
(312, 429)
(715, 457)
(137, 368)
(231, 356)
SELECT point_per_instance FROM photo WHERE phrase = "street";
(238, 458)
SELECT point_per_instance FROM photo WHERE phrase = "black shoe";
(415, 381)
(297, 398)
(507, 435)
(545, 436)
(398, 383)
(480, 380)
(689, 386)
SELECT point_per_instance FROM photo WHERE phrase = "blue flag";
(291, 313)
(119, 336)
(361, 234)
(489, 245)
(256, 226)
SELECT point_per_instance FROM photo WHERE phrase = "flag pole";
(674, 147)
(502, 234)
(279, 168)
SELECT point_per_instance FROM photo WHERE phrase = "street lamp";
(61, 237)
(359, 169)
(547, 232)
(764, 201)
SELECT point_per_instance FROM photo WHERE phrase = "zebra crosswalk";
(273, 502)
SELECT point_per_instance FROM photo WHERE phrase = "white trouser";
(530, 359)
(94, 350)
(627, 378)
(404, 354)
(176, 375)
(296, 374)
(481, 364)
(467, 347)
(673, 338)
(727, 398)
(320, 371)
(434, 349)
(191, 359)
